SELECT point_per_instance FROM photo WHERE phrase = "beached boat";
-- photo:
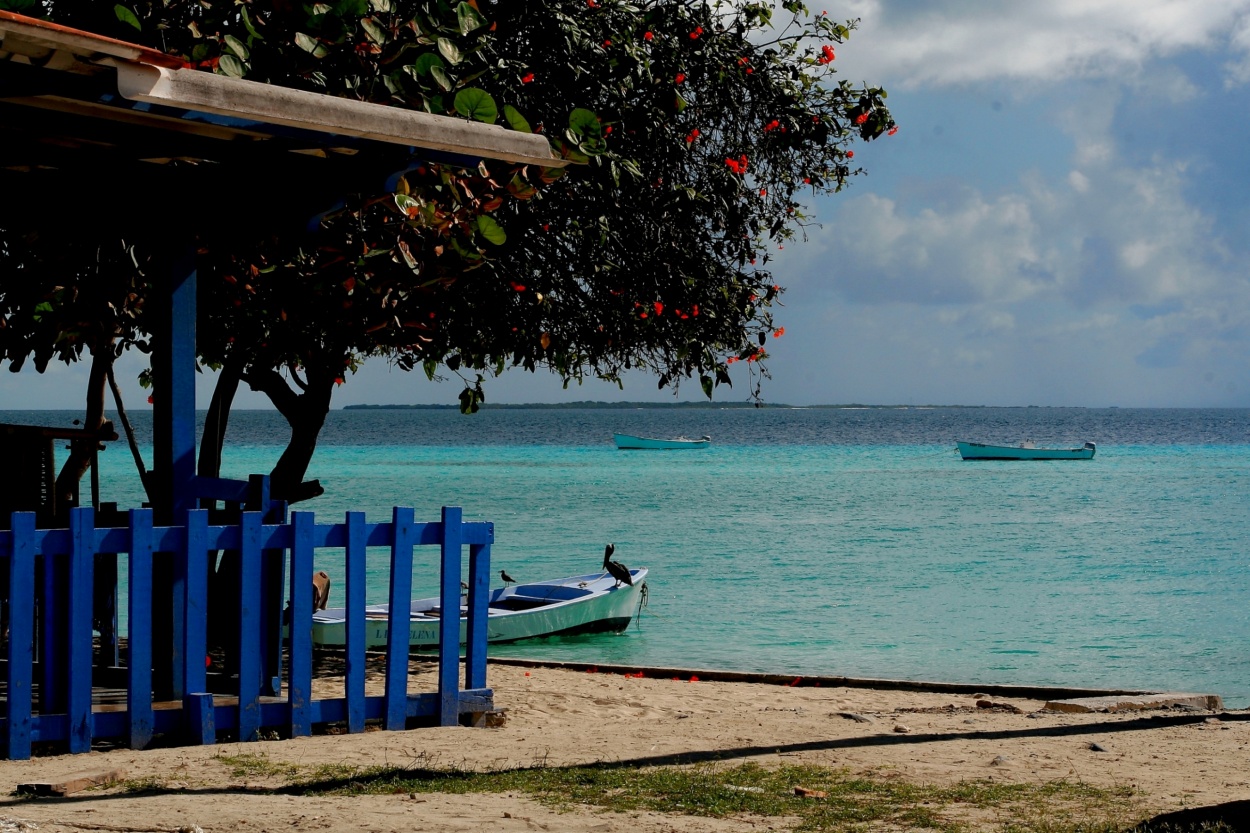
(591, 603)
(629, 441)
(1025, 451)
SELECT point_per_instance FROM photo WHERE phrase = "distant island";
(634, 406)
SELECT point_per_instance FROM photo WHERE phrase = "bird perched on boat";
(507, 579)
(616, 569)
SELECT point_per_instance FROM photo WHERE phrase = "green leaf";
(441, 77)
(125, 15)
(232, 66)
(237, 47)
(584, 122)
(376, 31)
(476, 104)
(311, 45)
(251, 27)
(424, 64)
(468, 18)
(515, 120)
(491, 230)
(706, 382)
(450, 51)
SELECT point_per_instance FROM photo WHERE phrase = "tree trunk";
(80, 454)
(305, 413)
(217, 418)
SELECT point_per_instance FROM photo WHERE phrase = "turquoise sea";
(834, 541)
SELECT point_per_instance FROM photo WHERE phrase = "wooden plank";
(397, 626)
(72, 783)
(250, 647)
(449, 626)
(20, 669)
(354, 682)
(81, 581)
(479, 599)
(199, 719)
(139, 633)
(299, 683)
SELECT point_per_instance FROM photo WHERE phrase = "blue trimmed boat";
(1025, 451)
(629, 441)
(594, 603)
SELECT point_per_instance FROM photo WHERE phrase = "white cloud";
(944, 42)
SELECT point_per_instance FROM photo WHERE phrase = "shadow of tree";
(1229, 817)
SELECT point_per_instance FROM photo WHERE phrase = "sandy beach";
(1172, 758)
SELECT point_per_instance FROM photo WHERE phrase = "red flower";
(592, 4)
(731, 360)
(546, 226)
(776, 287)
(807, 180)
(607, 129)
(827, 55)
(861, 118)
(695, 310)
(151, 397)
(642, 315)
(778, 333)
(763, 192)
(750, 70)
(850, 154)
(680, 79)
(772, 125)
(339, 380)
(659, 308)
(606, 44)
(892, 130)
(692, 135)
(528, 77)
(648, 36)
(519, 287)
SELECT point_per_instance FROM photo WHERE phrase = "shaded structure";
(157, 145)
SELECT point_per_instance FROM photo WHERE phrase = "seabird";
(617, 570)
(507, 579)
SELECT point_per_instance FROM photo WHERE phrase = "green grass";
(855, 802)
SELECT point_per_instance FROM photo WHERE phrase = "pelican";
(617, 570)
(507, 579)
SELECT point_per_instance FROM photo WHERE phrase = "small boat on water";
(629, 441)
(592, 603)
(1025, 451)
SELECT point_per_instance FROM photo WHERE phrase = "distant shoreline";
(660, 406)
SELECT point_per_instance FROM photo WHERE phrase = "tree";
(696, 128)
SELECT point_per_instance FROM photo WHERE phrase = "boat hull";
(630, 442)
(591, 603)
(983, 451)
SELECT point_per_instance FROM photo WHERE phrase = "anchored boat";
(1025, 451)
(591, 603)
(629, 441)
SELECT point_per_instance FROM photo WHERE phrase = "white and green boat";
(1025, 451)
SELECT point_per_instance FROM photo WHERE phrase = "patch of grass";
(854, 802)
(250, 765)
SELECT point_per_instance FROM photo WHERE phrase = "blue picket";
(397, 624)
(139, 635)
(64, 562)
(21, 657)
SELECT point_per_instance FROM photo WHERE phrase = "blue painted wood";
(299, 684)
(251, 637)
(194, 560)
(140, 724)
(354, 684)
(20, 670)
(81, 581)
(53, 636)
(201, 725)
(181, 392)
(272, 593)
(479, 598)
(397, 627)
(449, 624)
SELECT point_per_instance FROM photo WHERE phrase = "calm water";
(851, 542)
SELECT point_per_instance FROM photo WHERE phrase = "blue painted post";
(479, 599)
(139, 638)
(449, 623)
(354, 684)
(81, 582)
(299, 684)
(252, 640)
(20, 671)
(397, 630)
(200, 720)
(194, 604)
(53, 634)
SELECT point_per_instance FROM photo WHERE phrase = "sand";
(556, 716)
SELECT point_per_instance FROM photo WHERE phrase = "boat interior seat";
(515, 602)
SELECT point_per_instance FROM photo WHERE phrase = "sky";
(1061, 220)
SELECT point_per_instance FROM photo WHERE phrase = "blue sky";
(1061, 220)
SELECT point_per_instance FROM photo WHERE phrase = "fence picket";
(21, 655)
(139, 630)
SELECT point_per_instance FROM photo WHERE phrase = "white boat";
(591, 603)
(1025, 451)
(631, 442)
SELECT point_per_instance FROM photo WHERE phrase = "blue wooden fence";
(62, 638)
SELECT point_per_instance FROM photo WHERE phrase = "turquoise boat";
(629, 441)
(1025, 451)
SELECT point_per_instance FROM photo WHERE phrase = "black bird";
(507, 579)
(618, 570)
